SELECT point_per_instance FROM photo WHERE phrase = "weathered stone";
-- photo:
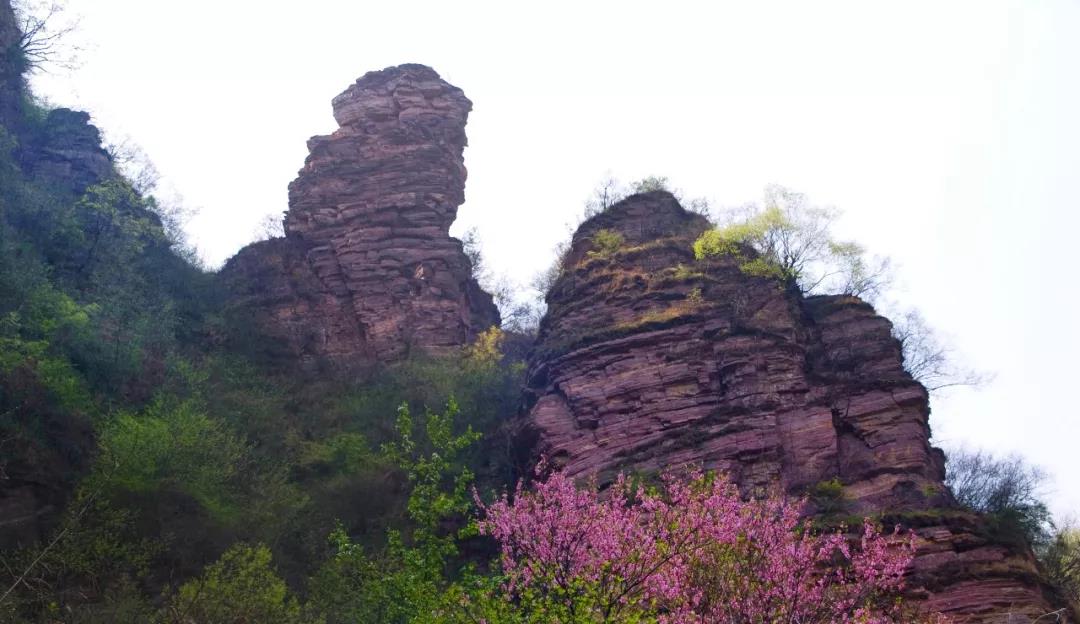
(66, 149)
(649, 359)
(367, 270)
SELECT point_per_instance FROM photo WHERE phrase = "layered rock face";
(650, 359)
(367, 270)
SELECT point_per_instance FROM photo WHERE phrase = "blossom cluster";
(689, 550)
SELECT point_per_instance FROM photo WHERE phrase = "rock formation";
(367, 270)
(649, 359)
(66, 148)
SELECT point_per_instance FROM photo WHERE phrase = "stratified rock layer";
(367, 270)
(649, 359)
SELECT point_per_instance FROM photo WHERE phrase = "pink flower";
(690, 550)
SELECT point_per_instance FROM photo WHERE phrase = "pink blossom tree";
(688, 551)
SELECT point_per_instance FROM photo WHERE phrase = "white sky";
(948, 132)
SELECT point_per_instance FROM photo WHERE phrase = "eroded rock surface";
(650, 359)
(367, 270)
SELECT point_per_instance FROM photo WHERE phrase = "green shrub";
(606, 243)
(406, 581)
(1060, 558)
(240, 587)
(828, 497)
(174, 447)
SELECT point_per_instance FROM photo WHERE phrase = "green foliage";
(485, 353)
(737, 239)
(651, 183)
(606, 243)
(344, 454)
(683, 272)
(88, 569)
(828, 497)
(439, 484)
(240, 587)
(406, 581)
(94, 275)
(789, 240)
(1060, 558)
(482, 598)
(174, 447)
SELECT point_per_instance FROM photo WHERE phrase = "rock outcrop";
(649, 359)
(367, 270)
(66, 149)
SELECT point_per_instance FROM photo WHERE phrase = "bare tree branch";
(45, 41)
(928, 359)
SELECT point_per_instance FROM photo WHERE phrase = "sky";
(947, 133)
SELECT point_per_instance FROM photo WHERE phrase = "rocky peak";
(398, 150)
(650, 359)
(66, 147)
(642, 218)
(368, 271)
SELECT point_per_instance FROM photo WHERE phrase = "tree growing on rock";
(1009, 490)
(927, 358)
(1061, 559)
(45, 30)
(793, 241)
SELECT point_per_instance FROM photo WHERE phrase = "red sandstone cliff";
(367, 270)
(649, 359)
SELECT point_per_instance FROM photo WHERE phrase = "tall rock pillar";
(367, 270)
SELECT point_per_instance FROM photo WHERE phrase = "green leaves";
(789, 240)
(174, 446)
(241, 586)
(407, 581)
(606, 243)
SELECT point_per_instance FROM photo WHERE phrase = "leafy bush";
(828, 496)
(606, 243)
(1060, 557)
(240, 587)
(406, 581)
(174, 447)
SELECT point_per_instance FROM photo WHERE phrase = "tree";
(1061, 560)
(1008, 489)
(651, 183)
(240, 587)
(470, 244)
(135, 164)
(45, 31)
(690, 550)
(174, 447)
(928, 360)
(792, 241)
(270, 226)
(406, 582)
(607, 193)
(519, 312)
